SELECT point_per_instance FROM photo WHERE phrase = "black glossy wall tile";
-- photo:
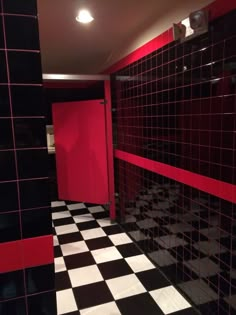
(36, 222)
(28, 7)
(3, 69)
(6, 138)
(12, 285)
(27, 101)
(22, 32)
(4, 102)
(7, 166)
(1, 34)
(9, 197)
(25, 67)
(16, 307)
(39, 279)
(32, 163)
(42, 304)
(34, 194)
(30, 133)
(9, 227)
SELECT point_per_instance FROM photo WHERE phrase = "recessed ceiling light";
(84, 16)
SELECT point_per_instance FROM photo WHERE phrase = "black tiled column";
(25, 213)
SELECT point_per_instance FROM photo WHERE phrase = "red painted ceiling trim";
(26, 253)
(209, 185)
(216, 9)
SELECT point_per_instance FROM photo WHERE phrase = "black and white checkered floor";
(100, 271)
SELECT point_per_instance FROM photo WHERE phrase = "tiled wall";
(26, 247)
(176, 117)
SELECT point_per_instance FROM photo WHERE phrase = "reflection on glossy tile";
(11, 306)
(35, 279)
(12, 285)
(3, 70)
(45, 301)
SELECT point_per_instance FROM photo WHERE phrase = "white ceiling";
(70, 47)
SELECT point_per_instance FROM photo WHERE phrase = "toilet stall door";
(81, 151)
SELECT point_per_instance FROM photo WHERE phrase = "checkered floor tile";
(188, 243)
(100, 271)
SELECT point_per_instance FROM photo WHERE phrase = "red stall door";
(81, 151)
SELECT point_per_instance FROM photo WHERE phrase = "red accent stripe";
(216, 9)
(209, 185)
(26, 253)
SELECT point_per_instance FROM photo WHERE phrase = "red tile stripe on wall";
(26, 253)
(212, 186)
(216, 9)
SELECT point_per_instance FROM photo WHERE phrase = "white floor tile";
(125, 286)
(76, 206)
(139, 263)
(93, 233)
(65, 229)
(169, 300)
(105, 222)
(61, 215)
(85, 275)
(214, 233)
(55, 240)
(74, 248)
(106, 254)
(198, 291)
(59, 264)
(96, 209)
(58, 203)
(83, 218)
(66, 302)
(103, 309)
(120, 238)
(210, 247)
(204, 267)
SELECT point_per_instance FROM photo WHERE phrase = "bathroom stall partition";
(175, 124)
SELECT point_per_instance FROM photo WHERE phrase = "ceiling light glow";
(84, 16)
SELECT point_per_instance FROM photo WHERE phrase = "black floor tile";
(139, 305)
(152, 279)
(62, 281)
(63, 221)
(101, 215)
(59, 209)
(128, 250)
(70, 238)
(79, 260)
(178, 273)
(79, 212)
(57, 251)
(93, 294)
(114, 269)
(188, 311)
(88, 225)
(97, 243)
(113, 229)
